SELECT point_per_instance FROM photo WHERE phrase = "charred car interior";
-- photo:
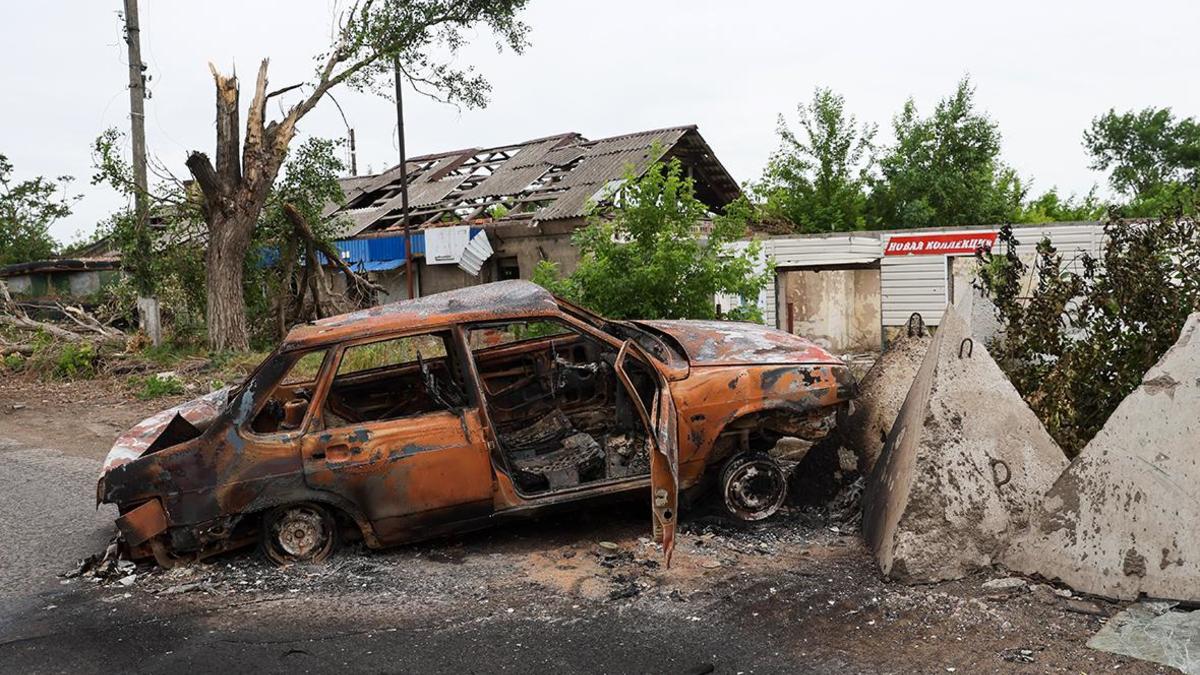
(562, 416)
(457, 410)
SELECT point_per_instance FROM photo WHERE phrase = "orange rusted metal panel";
(143, 523)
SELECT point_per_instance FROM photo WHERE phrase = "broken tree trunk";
(235, 190)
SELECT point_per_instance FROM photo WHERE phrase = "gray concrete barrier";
(964, 465)
(1124, 519)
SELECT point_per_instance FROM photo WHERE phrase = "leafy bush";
(14, 362)
(1080, 342)
(646, 256)
(157, 386)
(76, 361)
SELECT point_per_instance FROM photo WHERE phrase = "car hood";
(733, 343)
(173, 422)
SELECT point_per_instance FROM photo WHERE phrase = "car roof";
(485, 302)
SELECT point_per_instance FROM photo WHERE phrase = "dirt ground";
(799, 594)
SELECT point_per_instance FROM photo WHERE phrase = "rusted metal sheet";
(443, 468)
(143, 523)
(728, 342)
(133, 443)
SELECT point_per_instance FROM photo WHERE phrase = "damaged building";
(492, 214)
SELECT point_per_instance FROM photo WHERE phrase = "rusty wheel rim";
(301, 533)
(754, 488)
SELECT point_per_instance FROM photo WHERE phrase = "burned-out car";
(456, 410)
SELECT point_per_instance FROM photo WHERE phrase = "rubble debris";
(1005, 584)
(882, 392)
(1152, 631)
(964, 465)
(1021, 654)
(109, 565)
(1120, 521)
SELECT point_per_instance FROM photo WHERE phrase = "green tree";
(309, 185)
(944, 170)
(816, 179)
(27, 210)
(422, 38)
(1144, 150)
(308, 182)
(648, 256)
(1049, 207)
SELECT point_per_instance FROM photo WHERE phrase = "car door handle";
(338, 453)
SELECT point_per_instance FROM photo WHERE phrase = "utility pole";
(147, 306)
(408, 252)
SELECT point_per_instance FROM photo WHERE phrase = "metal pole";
(408, 252)
(147, 306)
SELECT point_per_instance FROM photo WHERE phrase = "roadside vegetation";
(1078, 336)
(652, 252)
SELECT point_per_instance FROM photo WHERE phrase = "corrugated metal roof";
(565, 170)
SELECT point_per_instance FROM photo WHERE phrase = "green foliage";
(309, 182)
(1081, 341)
(816, 179)
(1165, 199)
(13, 362)
(944, 170)
(175, 268)
(1144, 150)
(27, 210)
(425, 36)
(76, 361)
(165, 260)
(647, 257)
(1051, 208)
(156, 386)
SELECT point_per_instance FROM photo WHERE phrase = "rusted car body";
(456, 410)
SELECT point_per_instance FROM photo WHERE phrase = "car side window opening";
(393, 379)
(562, 417)
(288, 404)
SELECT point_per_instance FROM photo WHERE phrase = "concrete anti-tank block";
(964, 465)
(881, 394)
(1122, 520)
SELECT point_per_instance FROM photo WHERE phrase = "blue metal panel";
(385, 248)
(353, 250)
(382, 265)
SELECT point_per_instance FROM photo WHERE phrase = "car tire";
(298, 533)
(752, 486)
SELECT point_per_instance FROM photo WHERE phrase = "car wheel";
(299, 533)
(753, 486)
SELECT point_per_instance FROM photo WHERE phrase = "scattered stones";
(1005, 583)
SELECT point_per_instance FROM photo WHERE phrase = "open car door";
(664, 450)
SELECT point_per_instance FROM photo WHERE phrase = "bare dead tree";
(370, 36)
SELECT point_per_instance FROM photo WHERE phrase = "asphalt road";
(48, 521)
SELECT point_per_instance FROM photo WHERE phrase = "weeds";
(156, 386)
(76, 361)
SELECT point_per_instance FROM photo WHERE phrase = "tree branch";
(208, 180)
(353, 279)
(229, 166)
(254, 119)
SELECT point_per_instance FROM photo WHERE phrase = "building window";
(507, 268)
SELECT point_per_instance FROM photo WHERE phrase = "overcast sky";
(1042, 71)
